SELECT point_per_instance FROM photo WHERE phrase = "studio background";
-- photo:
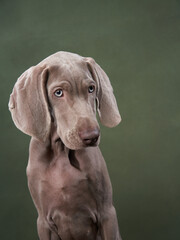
(137, 43)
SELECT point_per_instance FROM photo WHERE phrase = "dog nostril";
(89, 137)
(90, 141)
(87, 141)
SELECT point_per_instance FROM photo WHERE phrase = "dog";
(55, 102)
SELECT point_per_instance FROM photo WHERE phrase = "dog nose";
(89, 137)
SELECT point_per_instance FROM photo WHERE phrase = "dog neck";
(55, 142)
(53, 150)
(49, 150)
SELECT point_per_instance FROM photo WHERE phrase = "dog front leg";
(109, 226)
(44, 232)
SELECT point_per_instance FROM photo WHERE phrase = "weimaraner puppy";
(55, 102)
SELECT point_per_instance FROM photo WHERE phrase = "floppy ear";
(107, 109)
(28, 103)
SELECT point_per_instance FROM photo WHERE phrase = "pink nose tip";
(89, 137)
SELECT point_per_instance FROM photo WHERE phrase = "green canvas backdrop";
(137, 43)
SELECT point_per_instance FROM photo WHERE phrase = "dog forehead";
(68, 69)
(63, 59)
(73, 73)
(66, 66)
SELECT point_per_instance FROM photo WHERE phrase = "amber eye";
(58, 93)
(91, 89)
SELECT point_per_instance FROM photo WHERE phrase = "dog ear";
(28, 103)
(107, 106)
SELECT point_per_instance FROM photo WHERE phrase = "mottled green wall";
(138, 44)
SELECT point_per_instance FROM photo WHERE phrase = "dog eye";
(58, 93)
(91, 89)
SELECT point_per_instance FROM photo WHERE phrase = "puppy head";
(65, 89)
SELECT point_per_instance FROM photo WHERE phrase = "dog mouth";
(58, 140)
